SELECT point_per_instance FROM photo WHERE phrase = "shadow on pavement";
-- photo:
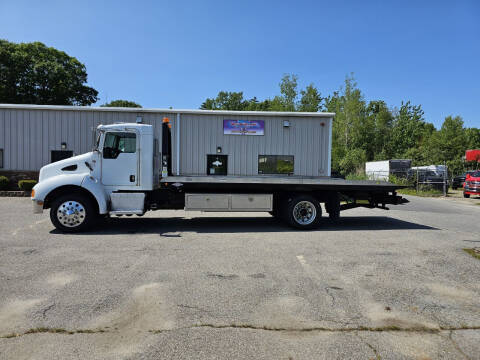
(168, 226)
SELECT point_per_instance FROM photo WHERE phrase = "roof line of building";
(165, 111)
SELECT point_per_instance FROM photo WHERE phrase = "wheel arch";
(69, 189)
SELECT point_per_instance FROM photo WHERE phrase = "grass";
(424, 193)
(474, 252)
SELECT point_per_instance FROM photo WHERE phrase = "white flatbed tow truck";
(126, 174)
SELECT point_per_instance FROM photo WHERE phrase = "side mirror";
(467, 177)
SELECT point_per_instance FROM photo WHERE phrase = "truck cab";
(111, 179)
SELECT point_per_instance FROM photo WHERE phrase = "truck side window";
(119, 142)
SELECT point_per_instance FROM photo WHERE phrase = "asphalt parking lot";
(173, 285)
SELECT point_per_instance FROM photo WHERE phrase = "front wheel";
(466, 195)
(303, 212)
(73, 213)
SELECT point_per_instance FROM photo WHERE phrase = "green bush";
(27, 185)
(3, 182)
(356, 176)
(402, 181)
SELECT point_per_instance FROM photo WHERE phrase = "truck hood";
(73, 165)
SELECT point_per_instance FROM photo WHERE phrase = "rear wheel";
(73, 213)
(466, 195)
(303, 212)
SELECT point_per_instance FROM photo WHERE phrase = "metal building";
(204, 142)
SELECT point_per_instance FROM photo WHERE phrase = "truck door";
(120, 160)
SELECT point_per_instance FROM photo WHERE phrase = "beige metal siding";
(306, 139)
(29, 136)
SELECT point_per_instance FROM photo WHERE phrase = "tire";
(466, 195)
(303, 212)
(83, 214)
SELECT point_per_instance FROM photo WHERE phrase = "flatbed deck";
(319, 183)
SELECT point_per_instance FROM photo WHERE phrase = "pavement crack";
(328, 288)
(222, 276)
(456, 346)
(192, 307)
(377, 355)
(48, 308)
(345, 329)
(330, 294)
(61, 331)
(43, 330)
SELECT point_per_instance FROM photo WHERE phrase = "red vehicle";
(472, 184)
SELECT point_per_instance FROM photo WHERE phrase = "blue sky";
(177, 53)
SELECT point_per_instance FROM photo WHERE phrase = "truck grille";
(472, 185)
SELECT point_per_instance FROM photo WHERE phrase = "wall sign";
(243, 127)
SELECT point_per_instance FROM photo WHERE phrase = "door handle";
(132, 178)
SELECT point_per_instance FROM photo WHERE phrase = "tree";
(353, 162)
(450, 141)
(473, 138)
(288, 89)
(380, 119)
(225, 100)
(32, 73)
(311, 99)
(408, 128)
(449, 144)
(122, 103)
(351, 130)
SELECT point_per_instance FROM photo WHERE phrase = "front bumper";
(472, 189)
(37, 206)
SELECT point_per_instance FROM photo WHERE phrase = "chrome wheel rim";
(71, 213)
(304, 212)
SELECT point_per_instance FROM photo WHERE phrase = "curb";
(14, 194)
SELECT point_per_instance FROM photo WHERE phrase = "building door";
(120, 161)
(217, 164)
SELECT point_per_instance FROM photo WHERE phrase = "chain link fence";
(420, 179)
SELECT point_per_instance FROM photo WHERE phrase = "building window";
(275, 164)
(57, 155)
(1, 158)
(217, 164)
